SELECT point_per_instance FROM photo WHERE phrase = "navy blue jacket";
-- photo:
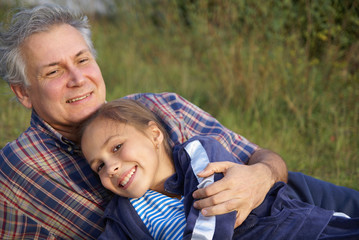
(278, 217)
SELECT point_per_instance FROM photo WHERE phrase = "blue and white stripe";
(163, 216)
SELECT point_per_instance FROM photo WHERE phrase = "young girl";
(128, 147)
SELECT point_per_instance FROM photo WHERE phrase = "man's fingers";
(212, 189)
(213, 200)
(229, 206)
(241, 189)
(242, 215)
(215, 167)
(209, 209)
(222, 208)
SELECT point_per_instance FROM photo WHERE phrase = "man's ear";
(155, 133)
(22, 94)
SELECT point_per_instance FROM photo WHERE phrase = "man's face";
(66, 84)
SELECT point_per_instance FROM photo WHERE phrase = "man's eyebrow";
(57, 63)
(52, 64)
(82, 52)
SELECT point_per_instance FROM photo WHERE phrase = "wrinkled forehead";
(57, 35)
(51, 46)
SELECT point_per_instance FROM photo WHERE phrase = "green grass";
(290, 88)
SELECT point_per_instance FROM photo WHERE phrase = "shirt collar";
(39, 123)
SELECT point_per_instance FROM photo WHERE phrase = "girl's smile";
(126, 180)
(129, 161)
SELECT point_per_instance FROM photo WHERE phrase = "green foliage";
(281, 73)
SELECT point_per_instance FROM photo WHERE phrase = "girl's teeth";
(127, 178)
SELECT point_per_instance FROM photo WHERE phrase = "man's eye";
(49, 74)
(117, 147)
(53, 73)
(100, 167)
(83, 60)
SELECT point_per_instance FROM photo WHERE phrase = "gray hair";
(27, 22)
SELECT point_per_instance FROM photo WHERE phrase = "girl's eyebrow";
(103, 145)
(92, 161)
(109, 139)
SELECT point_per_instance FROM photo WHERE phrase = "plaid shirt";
(48, 191)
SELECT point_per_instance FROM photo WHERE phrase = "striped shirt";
(163, 216)
(48, 191)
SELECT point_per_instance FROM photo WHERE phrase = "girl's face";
(128, 161)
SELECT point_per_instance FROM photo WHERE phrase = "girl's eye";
(100, 167)
(117, 147)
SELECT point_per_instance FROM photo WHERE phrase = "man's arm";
(278, 171)
(243, 187)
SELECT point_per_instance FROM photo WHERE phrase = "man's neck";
(70, 133)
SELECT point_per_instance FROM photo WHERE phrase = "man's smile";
(78, 98)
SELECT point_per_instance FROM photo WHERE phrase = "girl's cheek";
(104, 181)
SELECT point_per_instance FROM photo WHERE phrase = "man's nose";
(76, 77)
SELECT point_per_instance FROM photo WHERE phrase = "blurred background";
(284, 74)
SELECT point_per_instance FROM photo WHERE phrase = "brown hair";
(129, 112)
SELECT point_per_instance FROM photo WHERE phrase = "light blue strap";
(204, 226)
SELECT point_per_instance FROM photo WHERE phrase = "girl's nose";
(112, 170)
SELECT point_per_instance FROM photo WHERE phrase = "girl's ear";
(22, 95)
(156, 134)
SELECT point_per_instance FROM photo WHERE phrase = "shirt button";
(69, 149)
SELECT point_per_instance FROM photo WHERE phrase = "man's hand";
(243, 187)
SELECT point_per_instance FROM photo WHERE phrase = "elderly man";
(47, 189)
